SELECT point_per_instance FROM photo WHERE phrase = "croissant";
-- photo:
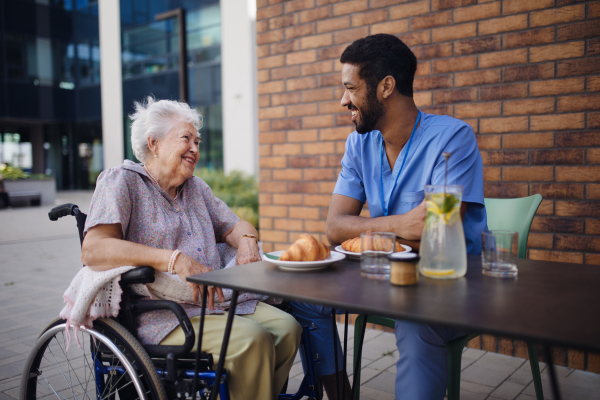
(353, 245)
(306, 248)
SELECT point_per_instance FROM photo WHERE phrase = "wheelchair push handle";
(62, 211)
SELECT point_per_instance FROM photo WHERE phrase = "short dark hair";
(380, 55)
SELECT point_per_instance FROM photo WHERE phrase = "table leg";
(359, 357)
(199, 348)
(219, 371)
(553, 377)
(345, 354)
(335, 355)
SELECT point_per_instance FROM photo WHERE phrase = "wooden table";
(550, 303)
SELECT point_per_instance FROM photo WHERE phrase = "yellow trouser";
(261, 350)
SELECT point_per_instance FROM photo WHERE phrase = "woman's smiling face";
(177, 152)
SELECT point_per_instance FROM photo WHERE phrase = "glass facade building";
(50, 108)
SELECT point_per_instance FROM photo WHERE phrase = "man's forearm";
(343, 227)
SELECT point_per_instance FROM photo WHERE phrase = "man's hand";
(410, 225)
(247, 251)
(186, 266)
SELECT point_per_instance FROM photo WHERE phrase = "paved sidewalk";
(38, 258)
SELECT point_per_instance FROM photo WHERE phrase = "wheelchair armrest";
(138, 275)
(162, 351)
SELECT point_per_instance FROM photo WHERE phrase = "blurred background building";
(51, 117)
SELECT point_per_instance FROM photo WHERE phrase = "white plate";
(340, 249)
(303, 265)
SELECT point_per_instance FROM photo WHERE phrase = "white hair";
(154, 119)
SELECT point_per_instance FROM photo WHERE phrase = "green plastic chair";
(502, 214)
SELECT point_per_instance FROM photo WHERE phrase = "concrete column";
(111, 82)
(36, 136)
(238, 71)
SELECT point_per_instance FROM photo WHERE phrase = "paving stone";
(475, 387)
(498, 362)
(6, 353)
(484, 376)
(366, 374)
(385, 362)
(384, 382)
(525, 397)
(4, 396)
(12, 369)
(293, 385)
(296, 371)
(368, 393)
(508, 390)
(473, 354)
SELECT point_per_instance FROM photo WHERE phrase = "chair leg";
(358, 326)
(535, 370)
(454, 361)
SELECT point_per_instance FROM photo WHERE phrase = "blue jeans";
(422, 366)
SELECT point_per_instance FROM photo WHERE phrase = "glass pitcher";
(443, 250)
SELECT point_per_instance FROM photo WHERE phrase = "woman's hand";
(186, 266)
(247, 251)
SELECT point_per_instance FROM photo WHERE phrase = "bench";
(25, 198)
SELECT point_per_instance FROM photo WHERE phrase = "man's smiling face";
(361, 100)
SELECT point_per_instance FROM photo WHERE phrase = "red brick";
(317, 95)
(333, 24)
(308, 135)
(581, 243)
(392, 27)
(301, 57)
(268, 12)
(423, 68)
(594, 9)
(434, 82)
(557, 225)
(287, 199)
(271, 137)
(288, 225)
(584, 102)
(288, 123)
(557, 122)
(416, 38)
(546, 208)
(315, 226)
(299, 31)
(586, 66)
(557, 190)
(593, 156)
(263, 76)
(349, 7)
(287, 174)
(476, 110)
(431, 20)
(329, 107)
(593, 83)
(271, 112)
(439, 110)
(301, 83)
(327, 187)
(554, 16)
(519, 6)
(422, 99)
(340, 133)
(454, 64)
(320, 121)
(454, 32)
(281, 22)
(592, 227)
(304, 212)
(558, 256)
(578, 208)
(529, 106)
(264, 150)
(578, 174)
(476, 78)
(382, 3)
(319, 148)
(369, 18)
(264, 175)
(504, 124)
(409, 10)
(507, 57)
(262, 26)
(576, 139)
(302, 110)
(331, 160)
(594, 120)
(540, 241)
(527, 174)
(558, 156)
(489, 142)
(303, 162)
(528, 140)
(297, 5)
(272, 162)
(272, 211)
(557, 51)
(474, 46)
(343, 120)
(512, 157)
(315, 14)
(529, 38)
(504, 24)
(501, 92)
(491, 174)
(312, 42)
(317, 200)
(265, 223)
(264, 126)
(269, 37)
(593, 359)
(350, 35)
(273, 236)
(271, 87)
(446, 4)
(556, 86)
(285, 98)
(475, 13)
(529, 72)
(271, 187)
(439, 50)
(285, 72)
(592, 191)
(262, 51)
(330, 52)
(270, 62)
(504, 190)
(579, 30)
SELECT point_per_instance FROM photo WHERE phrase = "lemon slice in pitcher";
(437, 272)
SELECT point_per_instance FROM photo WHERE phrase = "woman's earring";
(156, 155)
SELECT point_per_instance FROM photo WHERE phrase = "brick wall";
(524, 74)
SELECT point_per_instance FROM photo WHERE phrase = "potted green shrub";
(18, 181)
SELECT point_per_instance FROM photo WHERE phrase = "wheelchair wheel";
(111, 364)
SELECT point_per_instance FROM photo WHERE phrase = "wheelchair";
(111, 363)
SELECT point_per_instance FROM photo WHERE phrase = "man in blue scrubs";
(395, 151)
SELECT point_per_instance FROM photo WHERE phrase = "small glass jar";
(404, 270)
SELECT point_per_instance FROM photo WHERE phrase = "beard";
(370, 114)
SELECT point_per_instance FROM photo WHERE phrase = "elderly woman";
(159, 214)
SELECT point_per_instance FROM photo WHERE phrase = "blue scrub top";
(361, 171)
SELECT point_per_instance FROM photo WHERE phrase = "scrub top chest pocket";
(408, 201)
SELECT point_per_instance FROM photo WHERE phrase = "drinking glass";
(375, 248)
(499, 251)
